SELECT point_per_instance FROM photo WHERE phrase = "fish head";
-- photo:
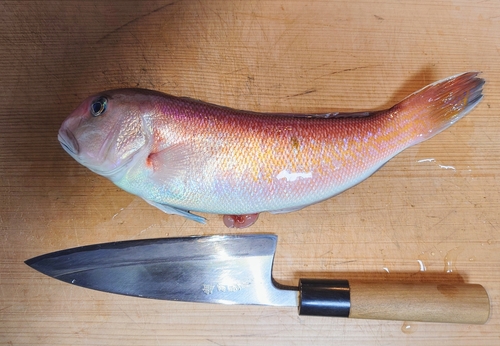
(106, 131)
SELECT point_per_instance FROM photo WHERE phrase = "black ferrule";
(324, 297)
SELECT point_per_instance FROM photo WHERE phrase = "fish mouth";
(68, 142)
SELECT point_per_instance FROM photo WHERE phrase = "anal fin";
(175, 211)
(287, 210)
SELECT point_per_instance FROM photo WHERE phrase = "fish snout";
(68, 141)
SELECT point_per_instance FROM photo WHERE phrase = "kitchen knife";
(237, 269)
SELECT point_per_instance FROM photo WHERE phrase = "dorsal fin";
(336, 115)
(330, 115)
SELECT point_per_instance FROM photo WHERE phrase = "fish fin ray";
(331, 115)
(176, 211)
(287, 210)
(442, 103)
(290, 115)
(170, 162)
(336, 115)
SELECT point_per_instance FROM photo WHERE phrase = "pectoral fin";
(168, 165)
(170, 162)
(172, 210)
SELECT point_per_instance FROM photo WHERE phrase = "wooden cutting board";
(429, 214)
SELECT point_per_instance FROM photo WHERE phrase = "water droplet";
(472, 259)
(432, 253)
(408, 328)
(422, 266)
(451, 258)
(386, 269)
(113, 217)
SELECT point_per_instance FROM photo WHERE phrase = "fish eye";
(99, 106)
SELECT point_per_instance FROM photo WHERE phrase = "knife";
(237, 269)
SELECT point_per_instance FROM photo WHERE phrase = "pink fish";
(183, 155)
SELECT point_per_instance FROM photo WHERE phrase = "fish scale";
(184, 155)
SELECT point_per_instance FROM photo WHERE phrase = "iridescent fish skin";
(184, 155)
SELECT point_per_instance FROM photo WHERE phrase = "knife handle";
(425, 302)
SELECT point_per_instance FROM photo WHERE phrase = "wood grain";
(430, 213)
(429, 302)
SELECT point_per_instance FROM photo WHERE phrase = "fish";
(185, 156)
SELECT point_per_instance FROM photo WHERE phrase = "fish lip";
(68, 142)
(70, 145)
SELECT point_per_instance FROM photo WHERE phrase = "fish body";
(184, 155)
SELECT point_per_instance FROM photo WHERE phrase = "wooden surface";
(430, 214)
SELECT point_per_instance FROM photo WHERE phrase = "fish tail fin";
(439, 105)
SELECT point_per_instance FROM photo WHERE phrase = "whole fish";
(184, 155)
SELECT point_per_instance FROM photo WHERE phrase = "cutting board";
(429, 214)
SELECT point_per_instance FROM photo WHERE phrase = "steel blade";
(231, 269)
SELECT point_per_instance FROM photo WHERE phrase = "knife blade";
(237, 269)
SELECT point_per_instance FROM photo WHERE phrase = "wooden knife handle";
(425, 302)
